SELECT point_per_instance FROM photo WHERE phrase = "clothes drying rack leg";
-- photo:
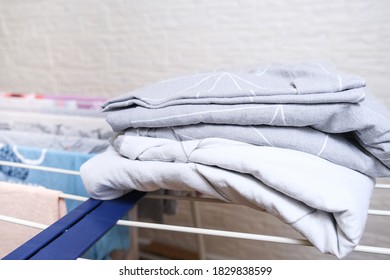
(72, 235)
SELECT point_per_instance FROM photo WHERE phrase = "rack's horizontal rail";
(212, 232)
(39, 167)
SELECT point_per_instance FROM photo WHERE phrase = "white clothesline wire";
(22, 222)
(382, 186)
(242, 235)
(202, 199)
(212, 232)
(41, 168)
(375, 212)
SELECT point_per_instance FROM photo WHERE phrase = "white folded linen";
(325, 202)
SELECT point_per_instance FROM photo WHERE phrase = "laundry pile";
(303, 142)
(45, 138)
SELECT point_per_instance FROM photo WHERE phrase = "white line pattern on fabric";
(282, 114)
(181, 91)
(235, 82)
(279, 109)
(248, 82)
(263, 72)
(216, 82)
(181, 134)
(340, 82)
(323, 145)
(262, 136)
(253, 92)
(201, 113)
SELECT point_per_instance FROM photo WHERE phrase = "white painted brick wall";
(108, 47)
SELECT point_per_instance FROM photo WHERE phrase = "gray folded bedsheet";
(256, 137)
(277, 83)
(341, 149)
(310, 95)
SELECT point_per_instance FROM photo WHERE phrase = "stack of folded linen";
(302, 142)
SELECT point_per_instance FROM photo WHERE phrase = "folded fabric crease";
(300, 141)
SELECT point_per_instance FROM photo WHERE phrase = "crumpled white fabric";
(325, 202)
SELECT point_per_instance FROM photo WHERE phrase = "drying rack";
(73, 234)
